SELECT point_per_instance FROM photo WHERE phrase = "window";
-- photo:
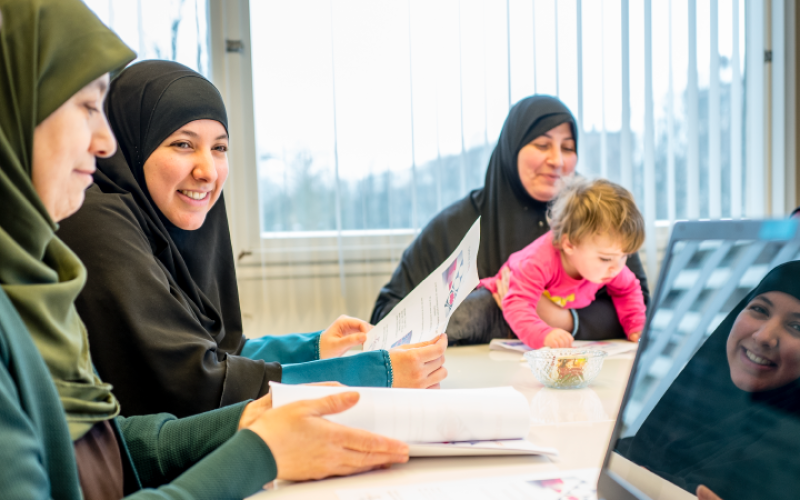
(354, 122)
(378, 114)
(176, 30)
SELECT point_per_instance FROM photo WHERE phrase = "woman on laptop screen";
(731, 419)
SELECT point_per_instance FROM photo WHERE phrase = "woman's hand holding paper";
(256, 408)
(419, 365)
(306, 446)
(344, 333)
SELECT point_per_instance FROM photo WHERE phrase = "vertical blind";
(376, 114)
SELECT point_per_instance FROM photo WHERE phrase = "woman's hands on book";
(344, 333)
(255, 409)
(306, 446)
(419, 365)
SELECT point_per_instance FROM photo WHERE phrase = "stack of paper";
(434, 422)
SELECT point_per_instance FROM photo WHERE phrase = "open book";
(433, 422)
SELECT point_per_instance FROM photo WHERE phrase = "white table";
(576, 422)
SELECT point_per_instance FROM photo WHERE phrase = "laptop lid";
(714, 394)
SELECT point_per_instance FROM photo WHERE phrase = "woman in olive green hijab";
(59, 434)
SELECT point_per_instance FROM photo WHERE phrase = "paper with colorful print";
(568, 485)
(424, 313)
(610, 347)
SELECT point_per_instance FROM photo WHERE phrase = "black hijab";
(145, 105)
(164, 329)
(740, 444)
(509, 215)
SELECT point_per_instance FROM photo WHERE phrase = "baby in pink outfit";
(594, 226)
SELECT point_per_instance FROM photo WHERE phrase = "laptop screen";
(715, 394)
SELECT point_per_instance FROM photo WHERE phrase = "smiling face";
(186, 172)
(597, 258)
(764, 344)
(65, 146)
(542, 162)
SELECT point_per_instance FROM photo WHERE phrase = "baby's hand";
(635, 336)
(558, 338)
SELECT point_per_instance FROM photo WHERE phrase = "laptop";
(688, 417)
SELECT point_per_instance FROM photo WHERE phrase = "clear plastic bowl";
(565, 368)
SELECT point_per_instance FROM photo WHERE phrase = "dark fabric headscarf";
(44, 61)
(509, 215)
(168, 341)
(146, 104)
(705, 430)
(510, 220)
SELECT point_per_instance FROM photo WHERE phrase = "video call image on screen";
(716, 398)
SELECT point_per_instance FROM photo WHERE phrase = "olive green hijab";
(49, 50)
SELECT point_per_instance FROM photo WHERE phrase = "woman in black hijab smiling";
(537, 146)
(731, 420)
(161, 304)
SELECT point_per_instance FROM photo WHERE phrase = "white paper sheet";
(480, 448)
(569, 485)
(612, 348)
(424, 312)
(423, 415)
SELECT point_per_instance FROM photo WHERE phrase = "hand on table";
(306, 446)
(502, 287)
(635, 336)
(703, 493)
(255, 409)
(558, 338)
(344, 333)
(419, 365)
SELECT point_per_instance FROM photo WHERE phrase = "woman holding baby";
(537, 148)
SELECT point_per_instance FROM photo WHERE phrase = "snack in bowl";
(565, 368)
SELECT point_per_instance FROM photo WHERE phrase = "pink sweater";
(537, 270)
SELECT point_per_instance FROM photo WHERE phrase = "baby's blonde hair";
(584, 208)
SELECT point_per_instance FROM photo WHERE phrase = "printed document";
(424, 313)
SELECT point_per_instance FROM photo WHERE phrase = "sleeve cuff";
(575, 322)
(366, 369)
(239, 468)
(389, 370)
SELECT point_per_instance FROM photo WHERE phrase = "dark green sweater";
(196, 457)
